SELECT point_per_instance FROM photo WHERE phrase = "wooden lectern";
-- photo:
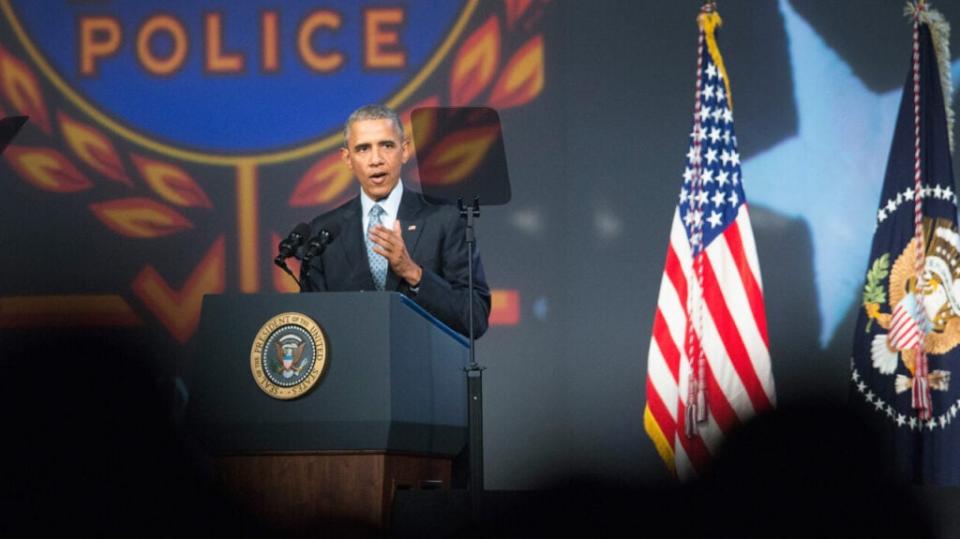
(389, 412)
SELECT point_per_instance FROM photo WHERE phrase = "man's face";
(375, 153)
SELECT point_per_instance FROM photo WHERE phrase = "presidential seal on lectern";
(289, 355)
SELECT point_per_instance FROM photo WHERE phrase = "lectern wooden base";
(303, 492)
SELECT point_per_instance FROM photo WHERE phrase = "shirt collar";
(390, 205)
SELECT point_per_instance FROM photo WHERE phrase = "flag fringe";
(940, 33)
(664, 448)
(709, 21)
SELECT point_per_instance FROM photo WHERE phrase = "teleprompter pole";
(474, 376)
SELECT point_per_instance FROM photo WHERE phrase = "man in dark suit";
(389, 238)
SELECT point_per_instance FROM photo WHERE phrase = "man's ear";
(345, 156)
(405, 150)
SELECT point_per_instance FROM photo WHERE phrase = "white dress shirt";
(390, 205)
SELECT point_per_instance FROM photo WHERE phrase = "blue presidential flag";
(908, 329)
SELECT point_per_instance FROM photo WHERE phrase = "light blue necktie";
(378, 264)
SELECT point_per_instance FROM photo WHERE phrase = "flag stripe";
(719, 403)
(681, 248)
(743, 311)
(711, 434)
(673, 309)
(747, 274)
(745, 230)
(667, 345)
(732, 341)
(660, 412)
(662, 380)
(674, 271)
(670, 324)
(725, 373)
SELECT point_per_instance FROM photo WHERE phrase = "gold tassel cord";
(709, 21)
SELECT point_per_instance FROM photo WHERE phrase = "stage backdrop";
(172, 144)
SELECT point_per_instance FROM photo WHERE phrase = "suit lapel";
(411, 225)
(354, 247)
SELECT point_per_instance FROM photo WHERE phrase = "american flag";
(708, 369)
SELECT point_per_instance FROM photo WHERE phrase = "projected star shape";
(831, 172)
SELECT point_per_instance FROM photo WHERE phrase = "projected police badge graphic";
(189, 136)
(289, 356)
(213, 81)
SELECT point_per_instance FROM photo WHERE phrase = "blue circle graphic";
(257, 109)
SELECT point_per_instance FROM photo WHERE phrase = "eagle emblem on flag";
(937, 315)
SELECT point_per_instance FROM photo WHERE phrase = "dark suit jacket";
(434, 235)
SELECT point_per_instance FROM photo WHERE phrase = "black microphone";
(319, 242)
(294, 240)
